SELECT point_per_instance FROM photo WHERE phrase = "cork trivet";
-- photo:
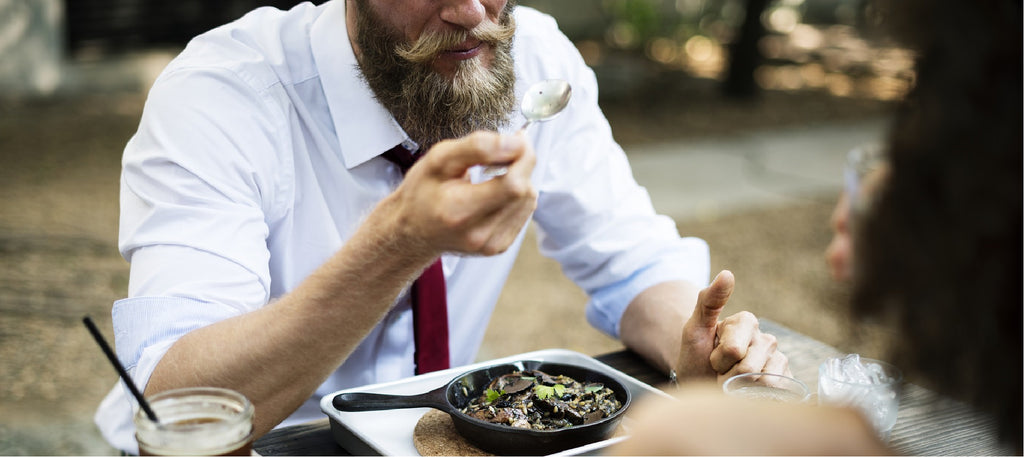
(435, 434)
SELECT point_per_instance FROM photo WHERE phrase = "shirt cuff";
(145, 327)
(607, 304)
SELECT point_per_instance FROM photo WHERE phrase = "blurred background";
(736, 115)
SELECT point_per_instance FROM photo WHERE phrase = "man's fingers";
(758, 356)
(504, 225)
(712, 299)
(777, 363)
(525, 159)
(736, 335)
(452, 158)
(478, 210)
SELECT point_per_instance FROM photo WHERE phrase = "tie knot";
(401, 157)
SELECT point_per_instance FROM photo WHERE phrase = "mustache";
(429, 45)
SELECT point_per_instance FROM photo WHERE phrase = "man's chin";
(446, 70)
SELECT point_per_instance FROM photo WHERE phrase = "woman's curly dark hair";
(941, 251)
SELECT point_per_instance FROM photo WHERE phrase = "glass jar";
(196, 421)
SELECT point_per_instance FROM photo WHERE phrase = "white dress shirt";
(258, 154)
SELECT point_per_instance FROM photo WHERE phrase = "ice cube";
(866, 385)
(877, 374)
(851, 370)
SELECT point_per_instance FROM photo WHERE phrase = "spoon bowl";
(542, 102)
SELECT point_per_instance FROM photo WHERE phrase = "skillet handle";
(358, 401)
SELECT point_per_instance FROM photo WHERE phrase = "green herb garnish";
(493, 395)
(559, 390)
(545, 392)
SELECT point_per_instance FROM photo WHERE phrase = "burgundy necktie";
(429, 304)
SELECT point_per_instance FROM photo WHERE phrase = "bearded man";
(281, 246)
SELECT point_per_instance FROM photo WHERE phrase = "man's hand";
(438, 209)
(711, 347)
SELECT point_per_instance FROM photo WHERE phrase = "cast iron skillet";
(497, 438)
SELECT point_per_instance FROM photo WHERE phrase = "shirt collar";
(364, 128)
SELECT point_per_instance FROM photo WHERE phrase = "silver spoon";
(542, 102)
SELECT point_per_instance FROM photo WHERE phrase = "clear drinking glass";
(870, 385)
(766, 386)
(196, 421)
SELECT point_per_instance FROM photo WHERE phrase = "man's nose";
(463, 13)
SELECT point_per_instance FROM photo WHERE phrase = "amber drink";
(196, 421)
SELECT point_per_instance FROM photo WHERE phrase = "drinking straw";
(120, 368)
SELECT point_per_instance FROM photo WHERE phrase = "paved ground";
(757, 181)
(761, 199)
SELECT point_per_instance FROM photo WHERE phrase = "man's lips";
(464, 51)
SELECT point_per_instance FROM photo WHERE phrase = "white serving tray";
(390, 432)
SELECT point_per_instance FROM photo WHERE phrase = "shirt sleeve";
(199, 188)
(593, 217)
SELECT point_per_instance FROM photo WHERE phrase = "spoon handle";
(493, 171)
(501, 169)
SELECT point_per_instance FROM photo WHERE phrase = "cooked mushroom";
(537, 400)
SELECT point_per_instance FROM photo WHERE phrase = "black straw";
(120, 368)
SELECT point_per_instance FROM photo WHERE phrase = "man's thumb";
(711, 300)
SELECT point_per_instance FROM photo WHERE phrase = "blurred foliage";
(638, 18)
(628, 24)
(807, 45)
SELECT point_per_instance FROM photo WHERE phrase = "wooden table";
(928, 424)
